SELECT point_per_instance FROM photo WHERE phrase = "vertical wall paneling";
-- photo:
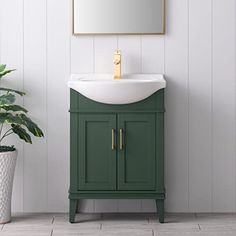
(200, 104)
(58, 73)
(152, 51)
(131, 53)
(104, 47)
(35, 78)
(176, 117)
(197, 55)
(224, 106)
(105, 205)
(82, 54)
(11, 53)
(129, 205)
(87, 206)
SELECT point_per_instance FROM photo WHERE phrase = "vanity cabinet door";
(97, 157)
(136, 152)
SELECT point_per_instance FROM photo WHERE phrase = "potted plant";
(13, 120)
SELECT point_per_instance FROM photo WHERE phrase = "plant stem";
(6, 134)
(1, 129)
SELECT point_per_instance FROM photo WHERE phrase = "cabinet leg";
(160, 210)
(73, 208)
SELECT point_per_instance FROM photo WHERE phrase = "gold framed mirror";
(118, 17)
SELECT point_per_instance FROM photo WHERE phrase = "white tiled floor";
(120, 225)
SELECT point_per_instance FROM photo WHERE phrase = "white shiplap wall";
(198, 57)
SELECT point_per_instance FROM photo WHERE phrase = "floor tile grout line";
(46, 105)
(151, 230)
(2, 227)
(199, 227)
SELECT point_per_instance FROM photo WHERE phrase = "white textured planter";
(7, 169)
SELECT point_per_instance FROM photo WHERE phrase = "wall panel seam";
(46, 94)
(141, 54)
(117, 43)
(188, 103)
(93, 72)
(212, 99)
(235, 89)
(1, 22)
(23, 85)
(93, 54)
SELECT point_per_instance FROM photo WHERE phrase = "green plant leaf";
(21, 132)
(3, 117)
(31, 126)
(10, 119)
(7, 99)
(7, 148)
(2, 67)
(12, 90)
(15, 108)
(14, 114)
(5, 72)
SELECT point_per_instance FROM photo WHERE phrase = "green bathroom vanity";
(117, 151)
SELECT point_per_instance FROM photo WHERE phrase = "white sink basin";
(129, 89)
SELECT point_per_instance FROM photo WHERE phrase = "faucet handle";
(116, 62)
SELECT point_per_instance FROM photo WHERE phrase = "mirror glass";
(119, 16)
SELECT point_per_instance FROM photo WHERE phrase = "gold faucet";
(117, 63)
